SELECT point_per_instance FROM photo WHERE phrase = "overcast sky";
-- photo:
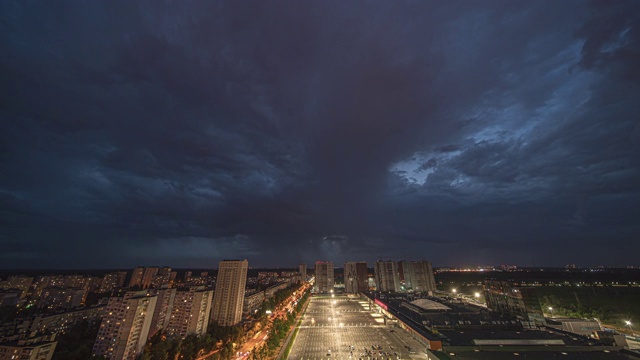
(181, 133)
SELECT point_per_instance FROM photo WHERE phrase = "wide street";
(344, 328)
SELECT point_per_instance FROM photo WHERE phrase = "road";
(261, 337)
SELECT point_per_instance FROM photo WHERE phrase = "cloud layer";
(187, 132)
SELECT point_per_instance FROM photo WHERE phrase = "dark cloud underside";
(186, 132)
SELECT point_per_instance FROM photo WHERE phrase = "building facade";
(325, 279)
(112, 281)
(40, 348)
(252, 302)
(355, 276)
(136, 277)
(125, 326)
(190, 312)
(418, 276)
(229, 295)
(60, 322)
(162, 310)
(302, 269)
(387, 277)
(57, 297)
(149, 275)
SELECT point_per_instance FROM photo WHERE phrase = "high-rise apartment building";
(190, 312)
(136, 277)
(162, 310)
(125, 326)
(418, 276)
(324, 276)
(387, 278)
(302, 269)
(355, 276)
(148, 277)
(229, 295)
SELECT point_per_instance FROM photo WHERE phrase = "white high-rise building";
(125, 326)
(229, 295)
(387, 277)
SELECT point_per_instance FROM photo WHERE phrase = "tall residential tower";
(418, 276)
(387, 278)
(355, 276)
(303, 271)
(125, 326)
(324, 276)
(229, 295)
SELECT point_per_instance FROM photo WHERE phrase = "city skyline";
(468, 133)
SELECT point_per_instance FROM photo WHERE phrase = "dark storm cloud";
(187, 132)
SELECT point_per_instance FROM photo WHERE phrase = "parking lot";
(344, 328)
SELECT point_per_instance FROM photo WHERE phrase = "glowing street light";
(551, 309)
(628, 322)
(477, 295)
(454, 291)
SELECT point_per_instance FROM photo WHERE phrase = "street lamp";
(454, 291)
(628, 322)
(477, 295)
(551, 309)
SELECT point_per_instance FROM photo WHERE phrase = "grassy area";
(292, 340)
(612, 305)
(295, 331)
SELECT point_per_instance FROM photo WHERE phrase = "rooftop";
(429, 305)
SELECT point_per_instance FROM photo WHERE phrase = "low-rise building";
(584, 327)
(252, 302)
(59, 323)
(40, 348)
